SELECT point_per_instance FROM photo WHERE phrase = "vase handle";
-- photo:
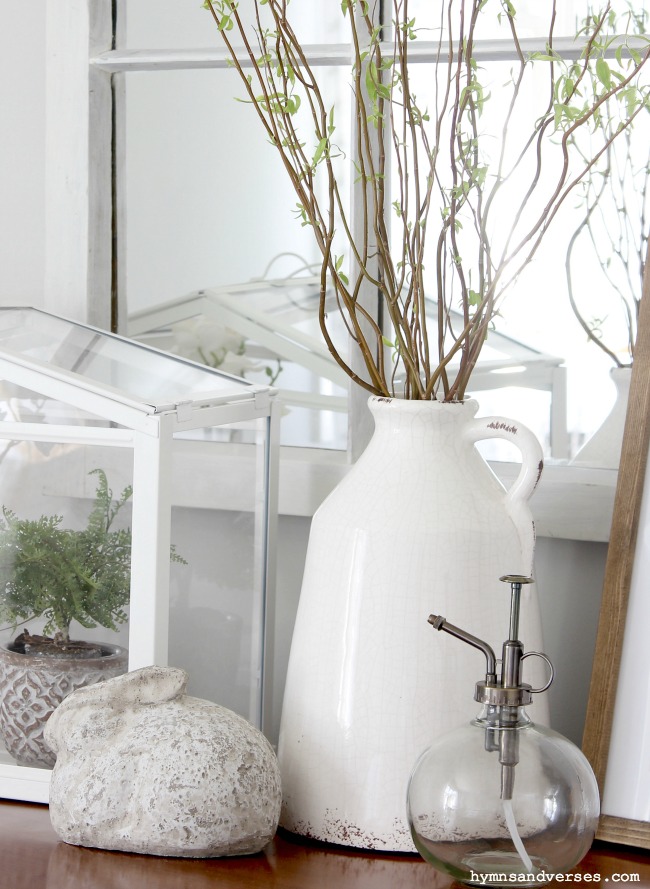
(532, 461)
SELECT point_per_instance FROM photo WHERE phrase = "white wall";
(570, 581)
(22, 153)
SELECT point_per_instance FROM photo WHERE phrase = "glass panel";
(273, 332)
(537, 310)
(204, 208)
(532, 18)
(102, 358)
(65, 558)
(21, 405)
(217, 597)
(168, 24)
(272, 337)
(158, 24)
(219, 217)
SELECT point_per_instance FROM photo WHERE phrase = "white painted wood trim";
(118, 183)
(421, 51)
(78, 162)
(203, 57)
(571, 502)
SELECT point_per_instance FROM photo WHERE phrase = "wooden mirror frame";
(618, 575)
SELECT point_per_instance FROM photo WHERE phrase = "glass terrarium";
(137, 494)
(268, 328)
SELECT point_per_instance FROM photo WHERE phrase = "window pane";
(104, 359)
(168, 24)
(532, 18)
(208, 206)
(207, 199)
(216, 618)
(606, 261)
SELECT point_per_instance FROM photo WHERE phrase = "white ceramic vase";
(603, 449)
(419, 525)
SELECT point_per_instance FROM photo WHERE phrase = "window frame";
(80, 146)
(85, 214)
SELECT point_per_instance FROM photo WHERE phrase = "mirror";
(204, 210)
(617, 725)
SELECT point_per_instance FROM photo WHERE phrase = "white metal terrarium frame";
(148, 429)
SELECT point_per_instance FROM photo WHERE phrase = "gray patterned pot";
(32, 686)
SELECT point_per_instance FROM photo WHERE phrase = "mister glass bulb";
(505, 798)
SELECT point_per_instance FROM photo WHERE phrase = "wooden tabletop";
(32, 857)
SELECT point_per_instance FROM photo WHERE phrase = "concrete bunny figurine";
(143, 767)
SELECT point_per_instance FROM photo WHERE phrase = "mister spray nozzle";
(440, 623)
(506, 693)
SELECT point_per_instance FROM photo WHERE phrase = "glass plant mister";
(502, 800)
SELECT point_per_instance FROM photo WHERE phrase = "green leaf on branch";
(318, 154)
(301, 214)
(371, 82)
(376, 89)
(603, 73)
(549, 55)
(330, 125)
(338, 263)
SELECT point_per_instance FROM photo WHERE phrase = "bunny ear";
(148, 685)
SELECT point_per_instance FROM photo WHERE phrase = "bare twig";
(458, 232)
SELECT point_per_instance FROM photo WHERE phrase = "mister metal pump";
(505, 694)
(502, 799)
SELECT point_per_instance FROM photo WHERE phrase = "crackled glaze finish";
(143, 767)
(420, 525)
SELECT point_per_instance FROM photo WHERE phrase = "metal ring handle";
(546, 658)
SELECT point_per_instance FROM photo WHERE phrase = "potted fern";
(58, 575)
(459, 177)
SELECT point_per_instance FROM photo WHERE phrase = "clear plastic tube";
(514, 834)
